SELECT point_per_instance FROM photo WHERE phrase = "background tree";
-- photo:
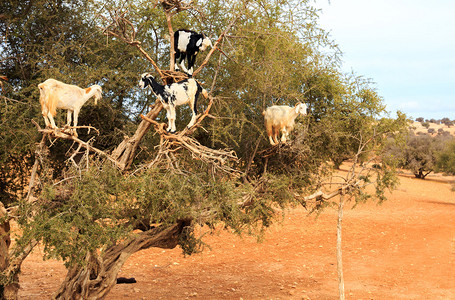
(85, 211)
(420, 153)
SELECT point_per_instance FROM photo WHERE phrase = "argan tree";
(94, 200)
(420, 154)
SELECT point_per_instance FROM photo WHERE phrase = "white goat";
(281, 118)
(55, 94)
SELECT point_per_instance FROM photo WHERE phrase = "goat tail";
(205, 93)
(52, 103)
(41, 91)
(47, 100)
(42, 97)
(200, 89)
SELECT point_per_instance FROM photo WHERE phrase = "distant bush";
(445, 120)
(426, 124)
(431, 130)
(445, 160)
(419, 119)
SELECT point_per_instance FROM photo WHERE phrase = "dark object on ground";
(126, 280)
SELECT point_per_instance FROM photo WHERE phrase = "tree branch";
(121, 28)
(59, 134)
(215, 157)
(215, 46)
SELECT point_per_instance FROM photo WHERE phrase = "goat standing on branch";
(187, 44)
(55, 94)
(175, 94)
(281, 118)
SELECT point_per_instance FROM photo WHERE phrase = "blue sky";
(407, 47)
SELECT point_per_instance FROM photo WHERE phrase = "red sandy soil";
(402, 249)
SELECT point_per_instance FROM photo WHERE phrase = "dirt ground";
(403, 249)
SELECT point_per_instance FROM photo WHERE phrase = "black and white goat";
(187, 44)
(175, 94)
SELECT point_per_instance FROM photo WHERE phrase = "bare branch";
(216, 157)
(175, 6)
(60, 134)
(123, 29)
(126, 150)
(215, 46)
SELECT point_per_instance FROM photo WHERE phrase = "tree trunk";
(124, 153)
(98, 276)
(339, 250)
(421, 174)
(9, 285)
(171, 40)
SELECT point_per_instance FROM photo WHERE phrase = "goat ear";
(199, 42)
(87, 90)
